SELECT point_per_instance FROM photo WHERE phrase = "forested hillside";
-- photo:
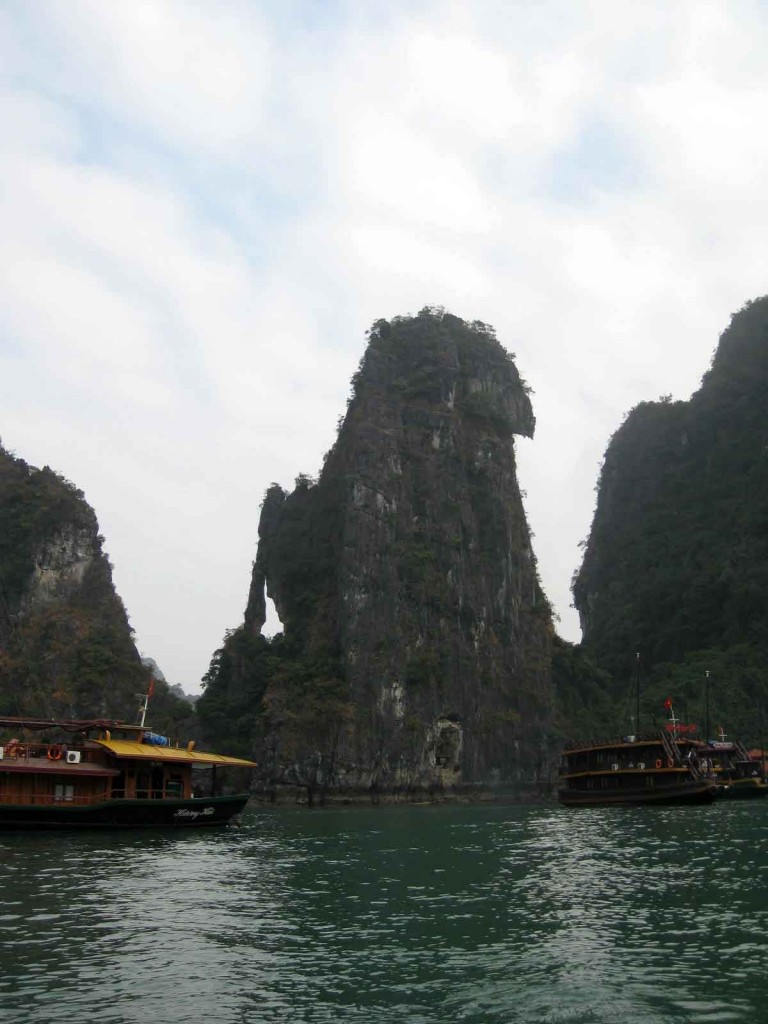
(676, 564)
(66, 647)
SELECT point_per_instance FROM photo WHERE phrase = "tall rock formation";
(66, 647)
(417, 641)
(676, 565)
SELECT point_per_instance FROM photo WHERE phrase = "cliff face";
(676, 566)
(417, 643)
(65, 643)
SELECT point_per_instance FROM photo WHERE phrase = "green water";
(471, 914)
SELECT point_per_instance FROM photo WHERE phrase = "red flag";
(151, 689)
(668, 702)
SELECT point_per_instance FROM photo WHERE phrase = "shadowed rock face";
(65, 643)
(676, 565)
(405, 577)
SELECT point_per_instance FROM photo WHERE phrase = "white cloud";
(180, 73)
(204, 207)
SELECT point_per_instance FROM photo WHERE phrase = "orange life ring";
(658, 762)
(55, 752)
(670, 763)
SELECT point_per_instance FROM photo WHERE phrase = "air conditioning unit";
(73, 757)
(2, 753)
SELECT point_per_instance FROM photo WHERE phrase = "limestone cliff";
(676, 565)
(65, 642)
(417, 642)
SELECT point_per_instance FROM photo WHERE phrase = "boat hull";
(688, 792)
(124, 813)
(743, 789)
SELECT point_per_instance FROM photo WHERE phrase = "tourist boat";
(108, 774)
(658, 769)
(668, 767)
(738, 775)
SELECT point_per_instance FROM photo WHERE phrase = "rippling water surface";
(470, 914)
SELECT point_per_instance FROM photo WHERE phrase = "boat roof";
(67, 724)
(640, 741)
(151, 752)
(131, 748)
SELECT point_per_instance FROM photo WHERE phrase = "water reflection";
(490, 914)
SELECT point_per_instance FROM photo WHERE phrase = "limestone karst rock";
(417, 641)
(66, 647)
(676, 564)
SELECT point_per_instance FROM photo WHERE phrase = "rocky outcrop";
(65, 643)
(417, 642)
(676, 564)
(61, 562)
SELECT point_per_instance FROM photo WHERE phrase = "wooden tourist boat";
(100, 773)
(668, 767)
(738, 775)
(636, 770)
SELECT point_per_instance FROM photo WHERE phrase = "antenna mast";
(144, 698)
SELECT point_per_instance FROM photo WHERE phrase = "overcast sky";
(203, 207)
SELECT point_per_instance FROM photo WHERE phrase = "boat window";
(174, 786)
(157, 781)
(62, 792)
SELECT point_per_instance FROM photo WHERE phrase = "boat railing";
(21, 751)
(48, 799)
(171, 791)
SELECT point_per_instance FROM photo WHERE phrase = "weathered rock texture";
(676, 565)
(417, 643)
(66, 647)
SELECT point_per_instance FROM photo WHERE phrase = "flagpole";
(145, 701)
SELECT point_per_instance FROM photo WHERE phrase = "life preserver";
(55, 752)
(658, 762)
(670, 763)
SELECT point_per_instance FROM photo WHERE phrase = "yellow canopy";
(150, 752)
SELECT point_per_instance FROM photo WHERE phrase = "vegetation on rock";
(417, 641)
(676, 565)
(66, 646)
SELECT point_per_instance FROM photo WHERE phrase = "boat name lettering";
(185, 812)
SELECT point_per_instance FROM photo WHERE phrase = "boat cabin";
(635, 769)
(89, 762)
